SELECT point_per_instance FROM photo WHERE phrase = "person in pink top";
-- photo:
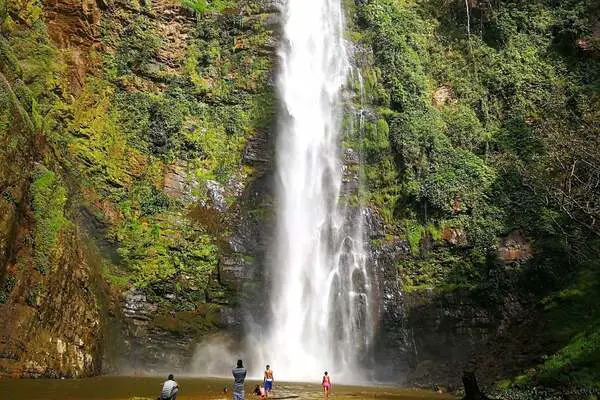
(326, 385)
(260, 391)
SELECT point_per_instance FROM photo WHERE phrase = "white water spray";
(320, 289)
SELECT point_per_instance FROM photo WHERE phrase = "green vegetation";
(487, 124)
(135, 141)
(197, 124)
(196, 322)
(470, 124)
(48, 198)
(7, 286)
(203, 6)
(441, 270)
(574, 317)
(141, 44)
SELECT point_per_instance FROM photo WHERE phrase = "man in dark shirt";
(239, 375)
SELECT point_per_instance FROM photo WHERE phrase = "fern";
(204, 6)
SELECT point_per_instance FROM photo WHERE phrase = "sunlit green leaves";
(204, 6)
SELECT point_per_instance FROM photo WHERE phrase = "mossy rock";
(184, 322)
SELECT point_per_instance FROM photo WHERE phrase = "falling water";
(320, 285)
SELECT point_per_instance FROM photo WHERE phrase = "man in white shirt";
(170, 389)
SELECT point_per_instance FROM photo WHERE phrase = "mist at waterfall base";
(321, 315)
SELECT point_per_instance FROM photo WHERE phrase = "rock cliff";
(135, 179)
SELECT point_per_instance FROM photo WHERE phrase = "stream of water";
(320, 286)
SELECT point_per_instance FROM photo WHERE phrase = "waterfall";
(321, 311)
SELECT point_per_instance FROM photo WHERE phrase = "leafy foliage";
(203, 6)
(7, 286)
(49, 198)
(140, 46)
(491, 114)
(133, 121)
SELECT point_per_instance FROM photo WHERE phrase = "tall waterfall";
(320, 285)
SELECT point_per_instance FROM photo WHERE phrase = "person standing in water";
(260, 392)
(169, 389)
(239, 376)
(268, 380)
(326, 385)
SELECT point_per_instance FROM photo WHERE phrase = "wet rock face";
(152, 338)
(156, 335)
(74, 25)
(216, 195)
(177, 184)
(393, 348)
(157, 331)
(257, 150)
(137, 307)
(514, 248)
(51, 324)
(426, 337)
(148, 347)
(434, 336)
(54, 324)
(446, 329)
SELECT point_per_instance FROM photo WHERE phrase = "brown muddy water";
(126, 388)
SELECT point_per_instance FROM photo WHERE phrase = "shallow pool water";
(125, 388)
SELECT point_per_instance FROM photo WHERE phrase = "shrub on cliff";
(49, 198)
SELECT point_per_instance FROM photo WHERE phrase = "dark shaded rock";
(454, 236)
(150, 336)
(452, 330)
(234, 269)
(394, 346)
(258, 150)
(351, 157)
(514, 248)
(137, 307)
(373, 223)
(229, 317)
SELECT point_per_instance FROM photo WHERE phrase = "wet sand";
(126, 388)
